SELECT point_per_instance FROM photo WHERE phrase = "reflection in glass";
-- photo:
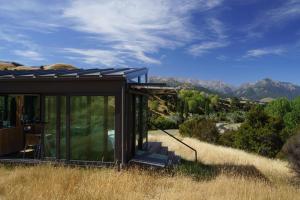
(50, 126)
(92, 128)
(8, 111)
(63, 139)
(31, 112)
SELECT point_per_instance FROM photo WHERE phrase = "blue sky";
(235, 41)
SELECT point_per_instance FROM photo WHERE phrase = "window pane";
(137, 123)
(8, 111)
(50, 126)
(92, 128)
(63, 138)
(31, 109)
(144, 119)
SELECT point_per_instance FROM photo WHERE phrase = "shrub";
(260, 133)
(236, 117)
(227, 138)
(163, 123)
(200, 128)
(278, 108)
(261, 140)
(292, 150)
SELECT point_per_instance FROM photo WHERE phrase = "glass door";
(92, 128)
(140, 121)
(50, 126)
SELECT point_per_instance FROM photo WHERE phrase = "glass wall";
(50, 127)
(31, 109)
(138, 143)
(92, 128)
(8, 111)
(144, 119)
(63, 127)
(140, 120)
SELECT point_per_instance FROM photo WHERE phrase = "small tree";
(200, 128)
(278, 108)
(292, 151)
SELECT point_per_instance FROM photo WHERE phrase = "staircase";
(156, 155)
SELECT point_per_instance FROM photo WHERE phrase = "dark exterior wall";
(68, 87)
(124, 109)
(61, 86)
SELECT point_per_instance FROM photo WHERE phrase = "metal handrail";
(172, 136)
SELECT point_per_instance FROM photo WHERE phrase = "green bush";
(236, 117)
(200, 128)
(227, 138)
(154, 104)
(278, 108)
(261, 140)
(163, 123)
(260, 133)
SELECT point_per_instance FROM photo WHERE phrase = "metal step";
(147, 158)
(147, 163)
(154, 147)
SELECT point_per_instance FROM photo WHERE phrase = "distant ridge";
(265, 89)
(6, 65)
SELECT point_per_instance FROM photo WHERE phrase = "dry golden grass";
(58, 66)
(46, 182)
(273, 169)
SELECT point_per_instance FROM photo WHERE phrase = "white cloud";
(137, 28)
(32, 55)
(96, 56)
(121, 30)
(264, 52)
(200, 49)
(276, 17)
(216, 38)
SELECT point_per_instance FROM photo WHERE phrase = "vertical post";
(146, 78)
(140, 125)
(122, 124)
(134, 123)
(146, 120)
(139, 79)
(68, 131)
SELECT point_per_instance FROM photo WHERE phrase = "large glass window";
(63, 127)
(50, 126)
(141, 117)
(137, 127)
(8, 111)
(31, 109)
(144, 119)
(92, 128)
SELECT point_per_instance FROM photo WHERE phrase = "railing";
(172, 136)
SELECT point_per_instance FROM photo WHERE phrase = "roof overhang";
(151, 89)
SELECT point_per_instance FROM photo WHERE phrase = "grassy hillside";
(222, 173)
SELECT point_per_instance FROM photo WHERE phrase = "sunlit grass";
(222, 173)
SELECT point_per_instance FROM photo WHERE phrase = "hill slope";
(5, 65)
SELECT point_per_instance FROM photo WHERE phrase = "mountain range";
(262, 89)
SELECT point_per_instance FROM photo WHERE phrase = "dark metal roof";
(127, 73)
